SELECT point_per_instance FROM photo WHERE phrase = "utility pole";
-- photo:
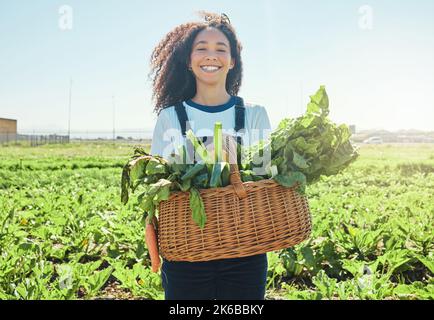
(114, 109)
(69, 113)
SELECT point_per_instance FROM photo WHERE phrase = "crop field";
(64, 233)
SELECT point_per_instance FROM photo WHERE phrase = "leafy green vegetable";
(309, 146)
(198, 167)
(197, 208)
(291, 179)
(155, 167)
(302, 150)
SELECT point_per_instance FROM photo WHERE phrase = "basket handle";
(235, 179)
(231, 148)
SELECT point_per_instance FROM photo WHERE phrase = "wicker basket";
(243, 219)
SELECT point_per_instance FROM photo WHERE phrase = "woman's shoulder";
(254, 109)
(167, 112)
(167, 109)
(167, 118)
(257, 116)
(170, 110)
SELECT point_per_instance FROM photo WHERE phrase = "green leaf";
(197, 208)
(201, 181)
(321, 99)
(426, 262)
(193, 171)
(156, 187)
(185, 185)
(125, 184)
(146, 202)
(137, 168)
(301, 145)
(306, 121)
(313, 108)
(299, 161)
(290, 179)
(163, 194)
(98, 279)
(155, 167)
(217, 170)
(225, 176)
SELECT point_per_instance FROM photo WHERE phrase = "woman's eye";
(217, 50)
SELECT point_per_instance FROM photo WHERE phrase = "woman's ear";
(232, 64)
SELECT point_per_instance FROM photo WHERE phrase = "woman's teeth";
(209, 69)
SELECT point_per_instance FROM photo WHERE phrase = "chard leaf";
(194, 170)
(290, 179)
(306, 121)
(162, 194)
(155, 187)
(146, 202)
(201, 180)
(225, 174)
(137, 168)
(299, 161)
(322, 100)
(185, 185)
(197, 208)
(155, 167)
(125, 184)
(313, 108)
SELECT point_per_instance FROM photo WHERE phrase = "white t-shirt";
(167, 135)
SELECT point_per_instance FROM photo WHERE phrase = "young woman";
(197, 67)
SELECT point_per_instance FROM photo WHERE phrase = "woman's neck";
(211, 97)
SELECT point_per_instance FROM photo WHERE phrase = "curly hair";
(172, 81)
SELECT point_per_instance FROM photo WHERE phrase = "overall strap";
(239, 124)
(182, 117)
(239, 114)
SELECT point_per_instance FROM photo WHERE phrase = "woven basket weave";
(243, 219)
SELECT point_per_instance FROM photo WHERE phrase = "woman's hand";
(152, 244)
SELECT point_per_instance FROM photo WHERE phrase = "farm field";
(64, 233)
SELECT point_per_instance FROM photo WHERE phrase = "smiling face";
(211, 48)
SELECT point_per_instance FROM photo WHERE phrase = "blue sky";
(379, 73)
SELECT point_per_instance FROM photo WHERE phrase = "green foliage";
(64, 229)
(305, 148)
(197, 207)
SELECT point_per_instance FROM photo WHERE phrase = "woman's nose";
(211, 58)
